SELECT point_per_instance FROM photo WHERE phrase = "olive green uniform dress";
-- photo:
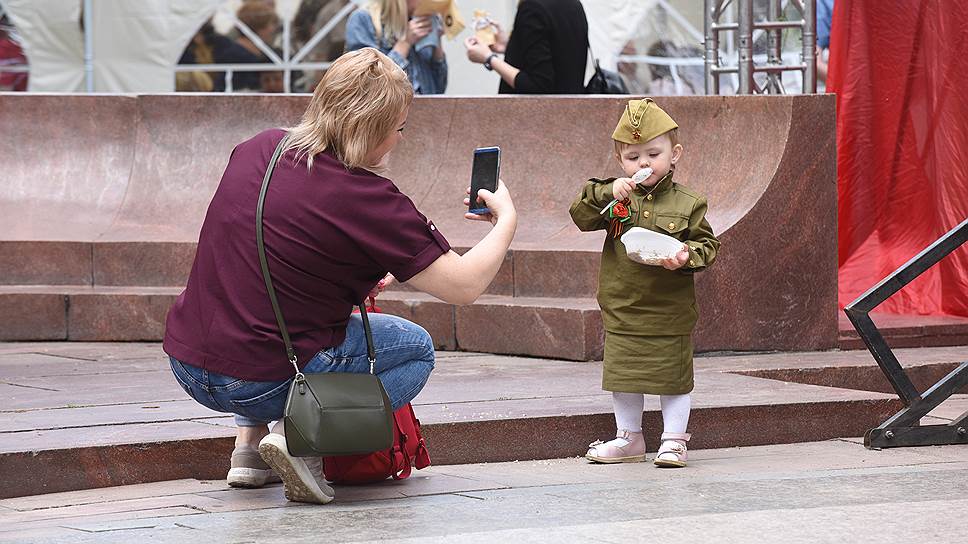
(648, 312)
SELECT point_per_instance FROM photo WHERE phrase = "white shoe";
(626, 447)
(298, 480)
(249, 470)
(672, 452)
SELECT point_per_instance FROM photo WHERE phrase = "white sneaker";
(249, 470)
(298, 480)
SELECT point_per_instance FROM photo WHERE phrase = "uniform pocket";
(671, 223)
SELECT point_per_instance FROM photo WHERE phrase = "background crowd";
(440, 59)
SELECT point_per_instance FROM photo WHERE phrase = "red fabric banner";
(900, 71)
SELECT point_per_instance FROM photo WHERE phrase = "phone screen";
(484, 175)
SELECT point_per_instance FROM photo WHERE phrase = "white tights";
(629, 407)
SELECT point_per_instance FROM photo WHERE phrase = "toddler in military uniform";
(648, 311)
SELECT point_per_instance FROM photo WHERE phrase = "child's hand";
(622, 188)
(675, 263)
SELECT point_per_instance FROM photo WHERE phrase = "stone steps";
(562, 328)
(551, 327)
(85, 415)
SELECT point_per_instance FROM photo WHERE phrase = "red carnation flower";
(620, 210)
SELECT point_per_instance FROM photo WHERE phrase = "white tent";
(135, 44)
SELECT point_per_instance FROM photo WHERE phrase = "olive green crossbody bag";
(328, 413)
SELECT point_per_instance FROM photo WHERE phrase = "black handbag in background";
(604, 81)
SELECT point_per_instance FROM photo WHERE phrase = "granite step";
(525, 272)
(910, 331)
(83, 415)
(552, 327)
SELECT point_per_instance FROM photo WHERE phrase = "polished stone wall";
(110, 191)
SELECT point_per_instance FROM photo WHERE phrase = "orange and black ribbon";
(619, 213)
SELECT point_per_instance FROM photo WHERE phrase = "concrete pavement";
(833, 491)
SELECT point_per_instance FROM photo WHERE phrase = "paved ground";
(833, 491)
(84, 415)
(76, 394)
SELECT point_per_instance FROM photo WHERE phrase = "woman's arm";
(479, 53)
(507, 72)
(461, 279)
(438, 60)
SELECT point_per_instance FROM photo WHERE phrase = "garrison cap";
(641, 121)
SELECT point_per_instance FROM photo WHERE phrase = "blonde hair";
(390, 18)
(672, 134)
(353, 110)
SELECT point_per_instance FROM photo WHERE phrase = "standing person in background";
(311, 17)
(546, 52)
(263, 20)
(210, 47)
(411, 42)
(11, 54)
(261, 17)
(825, 16)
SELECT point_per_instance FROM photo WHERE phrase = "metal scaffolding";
(714, 22)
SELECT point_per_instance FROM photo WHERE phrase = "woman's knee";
(392, 332)
(427, 353)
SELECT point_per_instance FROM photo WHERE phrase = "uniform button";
(691, 263)
(672, 225)
(645, 213)
(648, 197)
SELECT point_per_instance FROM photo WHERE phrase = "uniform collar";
(660, 187)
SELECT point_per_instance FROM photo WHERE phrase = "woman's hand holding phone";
(499, 205)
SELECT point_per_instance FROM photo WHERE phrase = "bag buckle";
(300, 383)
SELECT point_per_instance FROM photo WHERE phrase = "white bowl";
(649, 247)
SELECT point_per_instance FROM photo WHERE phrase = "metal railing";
(744, 30)
(771, 62)
(287, 62)
(903, 428)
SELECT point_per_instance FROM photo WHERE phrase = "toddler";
(648, 311)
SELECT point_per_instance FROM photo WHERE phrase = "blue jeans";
(404, 359)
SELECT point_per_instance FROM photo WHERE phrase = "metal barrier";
(287, 62)
(903, 428)
(744, 28)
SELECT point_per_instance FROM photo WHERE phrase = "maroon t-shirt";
(330, 236)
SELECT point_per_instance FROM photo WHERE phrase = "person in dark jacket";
(546, 52)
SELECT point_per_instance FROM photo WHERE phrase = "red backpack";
(408, 450)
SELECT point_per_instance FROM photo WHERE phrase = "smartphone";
(484, 175)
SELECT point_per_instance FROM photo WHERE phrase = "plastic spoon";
(638, 178)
